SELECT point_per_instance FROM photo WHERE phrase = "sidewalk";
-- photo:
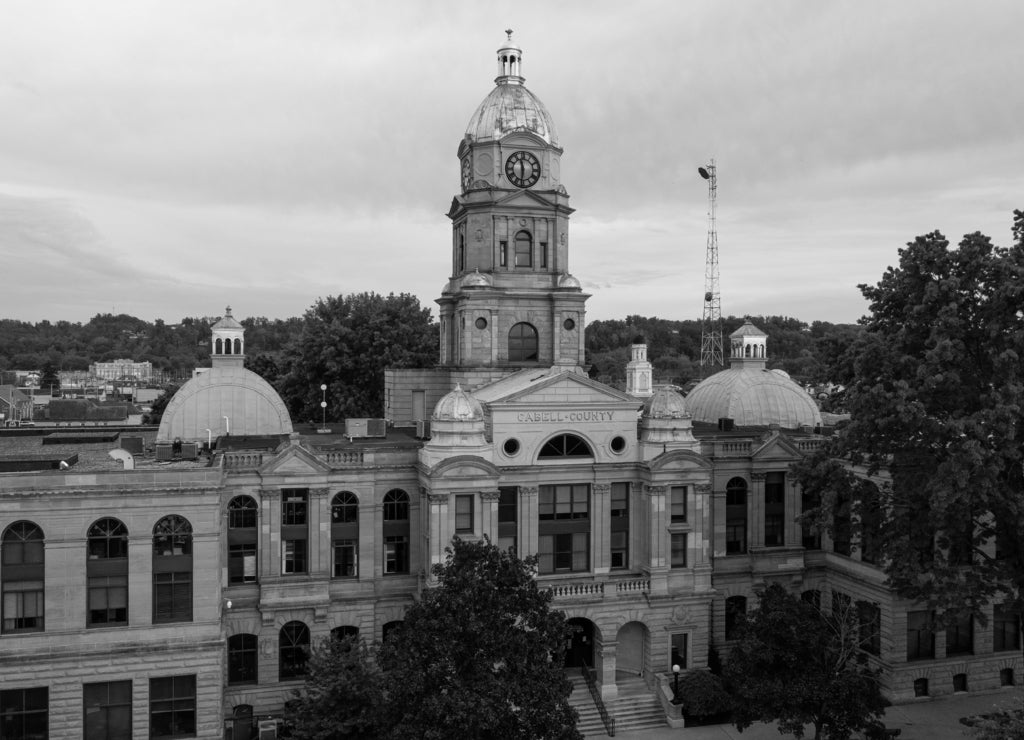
(933, 719)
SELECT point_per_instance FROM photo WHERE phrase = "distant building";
(15, 406)
(122, 370)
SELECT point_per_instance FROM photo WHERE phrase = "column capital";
(490, 495)
(602, 489)
(529, 490)
(437, 498)
(320, 492)
(270, 494)
(702, 488)
(758, 477)
(655, 490)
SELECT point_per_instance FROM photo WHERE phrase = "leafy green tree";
(342, 697)
(347, 342)
(934, 388)
(480, 656)
(160, 405)
(49, 379)
(1003, 724)
(795, 665)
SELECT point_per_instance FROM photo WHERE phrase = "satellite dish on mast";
(704, 173)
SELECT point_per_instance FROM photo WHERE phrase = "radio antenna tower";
(711, 357)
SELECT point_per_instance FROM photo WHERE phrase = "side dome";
(568, 281)
(476, 279)
(665, 403)
(511, 108)
(458, 406)
(249, 403)
(753, 397)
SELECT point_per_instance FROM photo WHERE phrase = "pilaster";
(140, 580)
(319, 524)
(756, 512)
(600, 533)
(489, 514)
(528, 520)
(270, 532)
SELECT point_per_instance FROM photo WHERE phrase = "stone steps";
(636, 708)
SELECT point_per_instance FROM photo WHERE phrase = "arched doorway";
(631, 661)
(241, 722)
(579, 649)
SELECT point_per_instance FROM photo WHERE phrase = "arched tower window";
(107, 573)
(22, 574)
(293, 651)
(345, 534)
(524, 249)
(735, 516)
(238, 346)
(462, 252)
(219, 346)
(242, 538)
(565, 445)
(172, 570)
(522, 343)
(396, 532)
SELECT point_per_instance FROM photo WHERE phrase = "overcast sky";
(165, 159)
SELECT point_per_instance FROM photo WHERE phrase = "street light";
(675, 685)
(323, 409)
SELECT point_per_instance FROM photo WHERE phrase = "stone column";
(755, 511)
(793, 531)
(319, 524)
(493, 323)
(703, 536)
(528, 521)
(489, 514)
(600, 527)
(659, 542)
(605, 657)
(140, 579)
(437, 530)
(270, 532)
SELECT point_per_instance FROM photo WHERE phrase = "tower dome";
(510, 107)
(458, 406)
(665, 403)
(749, 393)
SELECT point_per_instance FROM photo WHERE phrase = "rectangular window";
(242, 659)
(108, 710)
(620, 500)
(1005, 629)
(735, 538)
(620, 549)
(293, 557)
(464, 514)
(678, 504)
(678, 550)
(564, 553)
(293, 507)
(396, 555)
(172, 706)
(774, 509)
(543, 254)
(508, 516)
(564, 502)
(678, 655)
(810, 536)
(172, 597)
(108, 600)
(346, 559)
(869, 618)
(960, 637)
(503, 254)
(920, 637)
(23, 606)
(25, 713)
(242, 563)
(524, 252)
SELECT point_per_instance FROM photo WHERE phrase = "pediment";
(566, 389)
(523, 199)
(680, 460)
(295, 460)
(777, 447)
(464, 466)
(523, 138)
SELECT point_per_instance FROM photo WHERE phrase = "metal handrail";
(609, 721)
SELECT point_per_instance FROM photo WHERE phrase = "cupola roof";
(458, 406)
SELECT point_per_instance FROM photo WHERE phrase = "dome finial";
(509, 32)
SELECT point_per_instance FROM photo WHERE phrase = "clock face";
(467, 174)
(522, 169)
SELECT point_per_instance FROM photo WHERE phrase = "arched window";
(522, 343)
(242, 538)
(241, 722)
(735, 608)
(345, 534)
(23, 578)
(238, 346)
(389, 629)
(524, 249)
(396, 532)
(218, 346)
(172, 570)
(243, 656)
(340, 633)
(735, 516)
(293, 651)
(565, 445)
(106, 571)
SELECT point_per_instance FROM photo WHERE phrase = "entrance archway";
(579, 650)
(632, 640)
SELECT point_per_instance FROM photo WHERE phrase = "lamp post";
(675, 684)
(323, 409)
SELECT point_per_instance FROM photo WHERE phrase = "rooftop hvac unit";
(422, 429)
(268, 729)
(365, 428)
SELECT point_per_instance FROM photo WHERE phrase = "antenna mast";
(711, 356)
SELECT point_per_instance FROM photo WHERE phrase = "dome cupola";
(227, 341)
(457, 406)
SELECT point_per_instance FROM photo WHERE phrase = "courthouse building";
(178, 595)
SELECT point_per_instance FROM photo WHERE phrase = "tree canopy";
(798, 666)
(346, 343)
(935, 386)
(479, 656)
(342, 696)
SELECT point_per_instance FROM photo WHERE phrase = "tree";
(49, 380)
(934, 388)
(799, 666)
(1005, 722)
(347, 342)
(481, 655)
(342, 696)
(158, 407)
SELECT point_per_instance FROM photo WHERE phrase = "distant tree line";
(346, 341)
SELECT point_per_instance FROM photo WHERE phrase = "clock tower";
(510, 301)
